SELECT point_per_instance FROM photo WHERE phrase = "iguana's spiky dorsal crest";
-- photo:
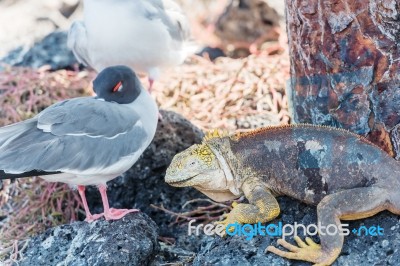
(254, 132)
(214, 134)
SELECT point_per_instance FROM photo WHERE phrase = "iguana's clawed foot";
(306, 251)
(230, 218)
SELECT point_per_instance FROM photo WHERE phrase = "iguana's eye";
(118, 87)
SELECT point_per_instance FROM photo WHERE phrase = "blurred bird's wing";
(73, 136)
(171, 15)
(78, 43)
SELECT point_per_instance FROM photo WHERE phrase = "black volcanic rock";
(51, 51)
(131, 240)
(357, 250)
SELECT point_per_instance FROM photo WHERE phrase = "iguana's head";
(198, 167)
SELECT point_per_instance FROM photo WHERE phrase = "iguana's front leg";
(262, 206)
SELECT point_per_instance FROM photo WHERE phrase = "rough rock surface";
(51, 51)
(129, 241)
(357, 250)
(212, 53)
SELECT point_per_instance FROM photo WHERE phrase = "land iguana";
(344, 174)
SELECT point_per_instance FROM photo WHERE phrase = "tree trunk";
(345, 66)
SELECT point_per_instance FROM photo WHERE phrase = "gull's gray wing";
(171, 16)
(77, 42)
(72, 136)
(87, 116)
(8, 133)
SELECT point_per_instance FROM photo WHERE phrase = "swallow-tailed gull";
(146, 35)
(84, 141)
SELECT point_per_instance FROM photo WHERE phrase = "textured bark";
(345, 66)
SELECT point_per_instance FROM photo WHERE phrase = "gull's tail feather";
(9, 134)
(13, 131)
(4, 175)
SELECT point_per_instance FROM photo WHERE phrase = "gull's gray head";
(117, 84)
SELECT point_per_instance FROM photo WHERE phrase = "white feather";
(123, 33)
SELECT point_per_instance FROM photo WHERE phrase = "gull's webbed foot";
(115, 214)
(93, 217)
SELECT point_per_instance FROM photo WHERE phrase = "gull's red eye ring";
(117, 87)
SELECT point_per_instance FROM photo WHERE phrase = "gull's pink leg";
(151, 82)
(89, 216)
(111, 213)
(254, 48)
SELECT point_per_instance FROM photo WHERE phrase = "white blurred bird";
(146, 35)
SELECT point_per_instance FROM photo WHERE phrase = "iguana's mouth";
(181, 181)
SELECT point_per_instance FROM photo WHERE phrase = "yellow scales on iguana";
(345, 175)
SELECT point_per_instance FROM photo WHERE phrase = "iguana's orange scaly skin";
(342, 173)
